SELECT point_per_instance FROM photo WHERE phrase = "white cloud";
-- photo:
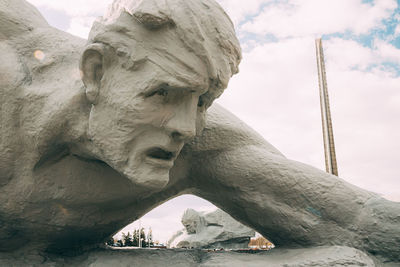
(75, 8)
(316, 17)
(397, 31)
(239, 9)
(387, 52)
(80, 26)
(349, 54)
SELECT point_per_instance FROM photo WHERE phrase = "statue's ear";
(92, 69)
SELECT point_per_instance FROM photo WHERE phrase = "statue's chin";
(153, 179)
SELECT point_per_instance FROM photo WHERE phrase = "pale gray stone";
(86, 150)
(318, 256)
(214, 229)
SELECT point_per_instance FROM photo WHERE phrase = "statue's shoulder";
(18, 17)
(225, 131)
(30, 49)
(37, 62)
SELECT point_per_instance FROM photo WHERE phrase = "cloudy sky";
(276, 91)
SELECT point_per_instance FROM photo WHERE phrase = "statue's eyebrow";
(170, 85)
(192, 89)
(179, 78)
(155, 86)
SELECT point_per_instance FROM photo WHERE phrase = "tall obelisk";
(329, 144)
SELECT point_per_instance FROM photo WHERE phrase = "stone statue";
(96, 133)
(215, 229)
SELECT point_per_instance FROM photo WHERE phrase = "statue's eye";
(201, 102)
(160, 92)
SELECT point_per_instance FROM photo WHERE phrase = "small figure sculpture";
(214, 230)
(85, 151)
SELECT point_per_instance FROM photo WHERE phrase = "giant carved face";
(143, 115)
(191, 220)
(167, 61)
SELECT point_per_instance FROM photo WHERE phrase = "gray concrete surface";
(318, 256)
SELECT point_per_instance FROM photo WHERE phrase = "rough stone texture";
(319, 256)
(84, 152)
(211, 230)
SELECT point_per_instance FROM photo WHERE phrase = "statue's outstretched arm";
(291, 203)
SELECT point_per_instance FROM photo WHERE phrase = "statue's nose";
(182, 124)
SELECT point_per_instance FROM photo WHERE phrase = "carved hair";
(190, 214)
(202, 26)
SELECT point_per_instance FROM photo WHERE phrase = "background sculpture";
(215, 229)
(81, 148)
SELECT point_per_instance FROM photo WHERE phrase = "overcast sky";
(276, 91)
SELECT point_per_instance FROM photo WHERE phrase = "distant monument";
(95, 133)
(214, 230)
(327, 129)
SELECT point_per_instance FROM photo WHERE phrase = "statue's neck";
(62, 124)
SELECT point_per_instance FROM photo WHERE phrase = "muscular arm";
(291, 203)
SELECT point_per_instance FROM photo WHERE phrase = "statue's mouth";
(161, 156)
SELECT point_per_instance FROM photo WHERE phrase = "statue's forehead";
(168, 52)
(164, 48)
(179, 75)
